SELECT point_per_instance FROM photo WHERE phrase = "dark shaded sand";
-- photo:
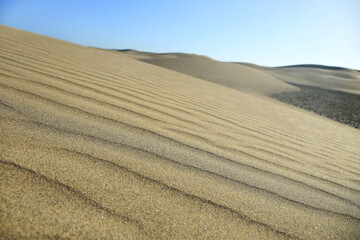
(94, 144)
(340, 106)
(331, 78)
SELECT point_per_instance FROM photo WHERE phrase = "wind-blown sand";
(95, 144)
(332, 92)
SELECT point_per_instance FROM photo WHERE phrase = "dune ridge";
(257, 80)
(96, 144)
(236, 76)
(332, 78)
(332, 92)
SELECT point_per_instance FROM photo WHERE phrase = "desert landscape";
(332, 92)
(108, 144)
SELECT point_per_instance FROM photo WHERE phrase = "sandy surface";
(347, 80)
(94, 144)
(236, 76)
(251, 78)
(340, 106)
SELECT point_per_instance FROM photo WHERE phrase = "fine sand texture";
(332, 92)
(340, 106)
(97, 145)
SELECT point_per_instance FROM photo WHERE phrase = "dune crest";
(236, 76)
(94, 144)
(253, 78)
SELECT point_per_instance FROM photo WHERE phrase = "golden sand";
(94, 144)
(251, 78)
(236, 76)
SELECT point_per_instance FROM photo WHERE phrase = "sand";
(258, 80)
(94, 144)
(236, 76)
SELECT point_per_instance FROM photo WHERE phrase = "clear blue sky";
(265, 32)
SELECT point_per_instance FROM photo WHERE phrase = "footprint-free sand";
(95, 144)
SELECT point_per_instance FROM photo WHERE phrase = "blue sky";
(267, 32)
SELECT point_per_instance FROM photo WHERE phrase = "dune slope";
(94, 144)
(332, 78)
(253, 78)
(332, 92)
(312, 75)
(232, 75)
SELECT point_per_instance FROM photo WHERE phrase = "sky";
(264, 32)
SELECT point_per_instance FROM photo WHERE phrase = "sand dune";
(94, 144)
(258, 79)
(332, 92)
(326, 77)
(232, 75)
(332, 78)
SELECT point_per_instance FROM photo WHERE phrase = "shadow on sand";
(336, 105)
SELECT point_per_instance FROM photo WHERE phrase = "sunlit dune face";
(95, 144)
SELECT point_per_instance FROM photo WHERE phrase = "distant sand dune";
(253, 78)
(232, 75)
(96, 144)
(332, 78)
